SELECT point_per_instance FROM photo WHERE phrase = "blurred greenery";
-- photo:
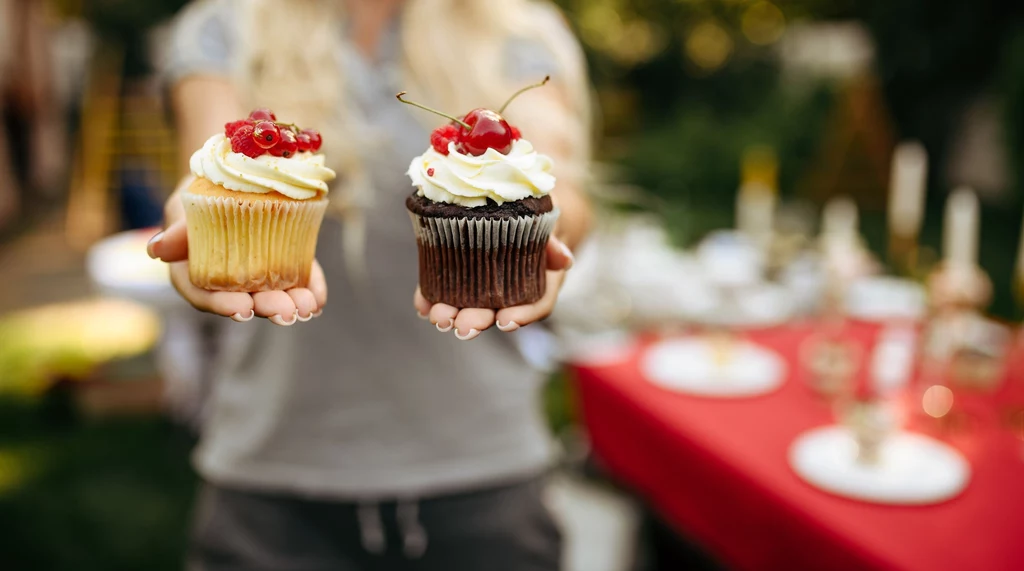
(105, 495)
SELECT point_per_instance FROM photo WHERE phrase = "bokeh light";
(708, 46)
(628, 41)
(763, 23)
(937, 401)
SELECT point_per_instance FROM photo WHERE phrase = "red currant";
(266, 134)
(287, 146)
(243, 142)
(516, 134)
(262, 114)
(315, 140)
(443, 135)
(488, 130)
(303, 141)
(430, 171)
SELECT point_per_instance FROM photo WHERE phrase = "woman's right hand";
(280, 307)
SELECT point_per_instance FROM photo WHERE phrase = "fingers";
(512, 318)
(318, 285)
(471, 322)
(305, 303)
(236, 305)
(443, 317)
(277, 306)
(421, 304)
(171, 245)
(559, 255)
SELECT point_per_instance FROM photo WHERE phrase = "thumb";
(171, 245)
(559, 255)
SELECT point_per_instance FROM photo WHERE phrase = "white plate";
(913, 469)
(881, 298)
(119, 266)
(688, 366)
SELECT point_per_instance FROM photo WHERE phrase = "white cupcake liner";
(251, 244)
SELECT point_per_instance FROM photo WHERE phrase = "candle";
(960, 233)
(755, 212)
(839, 219)
(907, 188)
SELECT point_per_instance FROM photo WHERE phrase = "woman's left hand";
(468, 323)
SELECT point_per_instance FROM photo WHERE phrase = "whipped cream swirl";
(471, 181)
(301, 176)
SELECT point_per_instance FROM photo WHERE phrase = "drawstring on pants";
(371, 528)
(414, 536)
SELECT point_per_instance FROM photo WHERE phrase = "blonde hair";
(452, 51)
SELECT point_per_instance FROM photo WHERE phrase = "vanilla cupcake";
(255, 207)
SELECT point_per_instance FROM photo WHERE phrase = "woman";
(366, 438)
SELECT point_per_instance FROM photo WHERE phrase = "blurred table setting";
(800, 403)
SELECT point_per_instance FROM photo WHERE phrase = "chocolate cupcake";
(482, 214)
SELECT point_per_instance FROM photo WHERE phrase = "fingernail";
(318, 313)
(568, 254)
(278, 320)
(508, 327)
(421, 316)
(238, 317)
(303, 319)
(445, 329)
(471, 335)
(152, 244)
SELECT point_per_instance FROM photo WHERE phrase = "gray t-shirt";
(366, 400)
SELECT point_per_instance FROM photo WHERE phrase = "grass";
(87, 495)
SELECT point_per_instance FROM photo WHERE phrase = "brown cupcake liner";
(250, 244)
(489, 263)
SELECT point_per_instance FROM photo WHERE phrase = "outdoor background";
(811, 94)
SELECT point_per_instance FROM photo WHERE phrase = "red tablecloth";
(717, 470)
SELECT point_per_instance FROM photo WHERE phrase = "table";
(717, 471)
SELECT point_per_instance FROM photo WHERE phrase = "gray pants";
(498, 529)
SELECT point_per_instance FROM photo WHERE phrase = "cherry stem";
(434, 111)
(547, 78)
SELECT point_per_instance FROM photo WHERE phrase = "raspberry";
(516, 135)
(287, 146)
(230, 128)
(443, 135)
(262, 114)
(315, 140)
(242, 142)
(266, 134)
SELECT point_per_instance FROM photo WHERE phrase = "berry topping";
(488, 130)
(315, 140)
(266, 134)
(243, 142)
(262, 114)
(430, 171)
(478, 130)
(443, 135)
(287, 146)
(261, 133)
(302, 139)
(230, 128)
